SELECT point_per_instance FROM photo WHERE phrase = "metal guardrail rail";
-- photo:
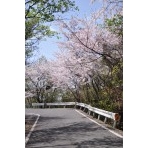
(48, 105)
(61, 104)
(38, 104)
(114, 116)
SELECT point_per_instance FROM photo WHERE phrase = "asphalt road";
(66, 128)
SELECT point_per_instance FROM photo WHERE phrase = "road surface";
(66, 128)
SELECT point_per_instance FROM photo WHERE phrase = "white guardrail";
(53, 104)
(114, 116)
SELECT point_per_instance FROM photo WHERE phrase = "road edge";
(111, 131)
(30, 132)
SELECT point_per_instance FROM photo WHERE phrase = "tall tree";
(90, 63)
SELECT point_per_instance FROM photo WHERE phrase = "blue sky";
(49, 47)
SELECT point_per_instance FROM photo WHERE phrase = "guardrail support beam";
(105, 119)
(84, 109)
(93, 114)
(98, 117)
(114, 125)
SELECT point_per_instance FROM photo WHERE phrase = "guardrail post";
(114, 125)
(84, 109)
(93, 114)
(98, 117)
(89, 112)
(105, 119)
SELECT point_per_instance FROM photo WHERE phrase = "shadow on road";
(76, 135)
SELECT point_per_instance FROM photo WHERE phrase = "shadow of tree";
(105, 142)
(76, 135)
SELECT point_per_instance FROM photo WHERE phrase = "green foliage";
(51, 97)
(38, 13)
(115, 24)
(45, 10)
(67, 97)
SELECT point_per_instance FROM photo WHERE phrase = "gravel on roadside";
(29, 121)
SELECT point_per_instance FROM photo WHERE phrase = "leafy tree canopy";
(115, 24)
(37, 14)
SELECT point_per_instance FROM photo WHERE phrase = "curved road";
(66, 128)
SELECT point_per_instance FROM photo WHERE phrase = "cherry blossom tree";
(109, 8)
(37, 77)
(88, 58)
(86, 35)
